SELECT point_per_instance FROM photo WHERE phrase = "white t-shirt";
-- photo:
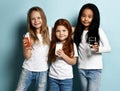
(89, 59)
(60, 69)
(39, 58)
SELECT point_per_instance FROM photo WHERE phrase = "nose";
(35, 20)
(61, 32)
(86, 18)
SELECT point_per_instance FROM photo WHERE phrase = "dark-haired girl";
(91, 42)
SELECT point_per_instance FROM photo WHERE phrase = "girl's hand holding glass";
(60, 53)
(27, 48)
(93, 44)
(95, 47)
(58, 47)
(91, 41)
(26, 42)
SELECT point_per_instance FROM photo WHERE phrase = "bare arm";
(73, 29)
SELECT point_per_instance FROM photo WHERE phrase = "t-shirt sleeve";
(75, 51)
(50, 32)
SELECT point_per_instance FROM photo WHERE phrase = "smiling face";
(36, 19)
(87, 17)
(61, 33)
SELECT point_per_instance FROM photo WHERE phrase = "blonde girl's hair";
(44, 28)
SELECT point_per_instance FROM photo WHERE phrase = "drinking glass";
(27, 39)
(58, 46)
(92, 40)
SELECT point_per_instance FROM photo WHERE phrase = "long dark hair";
(67, 46)
(93, 28)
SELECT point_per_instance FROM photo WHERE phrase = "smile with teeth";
(37, 23)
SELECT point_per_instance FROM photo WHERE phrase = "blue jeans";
(90, 79)
(27, 77)
(60, 85)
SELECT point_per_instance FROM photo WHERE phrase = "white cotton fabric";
(89, 59)
(39, 58)
(61, 69)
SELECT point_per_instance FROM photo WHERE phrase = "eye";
(83, 15)
(32, 18)
(57, 30)
(64, 30)
(39, 17)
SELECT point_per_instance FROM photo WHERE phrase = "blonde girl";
(36, 54)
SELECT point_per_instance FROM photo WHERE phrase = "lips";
(61, 36)
(86, 22)
(37, 23)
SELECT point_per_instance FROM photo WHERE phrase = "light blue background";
(13, 14)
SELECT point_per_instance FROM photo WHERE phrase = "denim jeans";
(27, 77)
(90, 79)
(60, 85)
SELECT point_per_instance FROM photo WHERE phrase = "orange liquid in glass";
(28, 44)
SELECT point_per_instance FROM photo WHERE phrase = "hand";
(26, 42)
(95, 47)
(27, 49)
(60, 53)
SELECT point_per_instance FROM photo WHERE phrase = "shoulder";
(27, 34)
(50, 31)
(74, 44)
(75, 47)
(75, 50)
(49, 28)
(101, 31)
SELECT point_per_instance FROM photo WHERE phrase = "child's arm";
(27, 53)
(69, 60)
(104, 45)
(73, 29)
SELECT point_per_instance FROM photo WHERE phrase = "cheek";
(91, 20)
(81, 19)
(32, 22)
(67, 35)
(57, 34)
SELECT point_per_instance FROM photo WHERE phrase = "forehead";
(61, 27)
(35, 13)
(87, 11)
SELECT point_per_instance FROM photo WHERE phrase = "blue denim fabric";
(26, 78)
(90, 79)
(60, 85)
